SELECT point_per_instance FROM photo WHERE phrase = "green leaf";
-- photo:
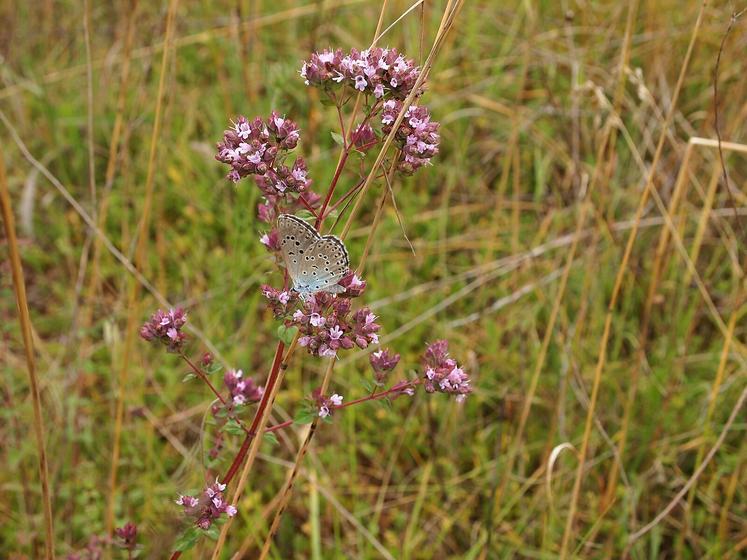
(187, 539)
(222, 412)
(306, 215)
(272, 438)
(188, 377)
(213, 532)
(214, 367)
(339, 140)
(327, 101)
(305, 416)
(287, 334)
(233, 427)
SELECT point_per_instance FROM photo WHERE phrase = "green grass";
(522, 84)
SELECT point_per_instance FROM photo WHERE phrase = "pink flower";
(209, 507)
(327, 352)
(271, 240)
(242, 391)
(166, 328)
(368, 71)
(354, 286)
(327, 404)
(441, 373)
(259, 148)
(280, 301)
(417, 135)
(128, 534)
(382, 362)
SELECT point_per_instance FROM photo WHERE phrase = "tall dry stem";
(601, 361)
(24, 319)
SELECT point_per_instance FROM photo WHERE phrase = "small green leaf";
(307, 215)
(187, 539)
(222, 412)
(188, 377)
(272, 438)
(213, 532)
(287, 334)
(305, 416)
(233, 427)
(339, 140)
(327, 101)
(214, 367)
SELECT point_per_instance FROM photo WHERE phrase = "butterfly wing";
(314, 263)
(296, 238)
(323, 266)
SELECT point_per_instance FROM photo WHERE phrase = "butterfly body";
(315, 263)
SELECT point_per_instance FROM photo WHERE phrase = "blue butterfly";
(315, 263)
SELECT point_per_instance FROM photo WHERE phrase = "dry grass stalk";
(583, 449)
(24, 319)
(133, 317)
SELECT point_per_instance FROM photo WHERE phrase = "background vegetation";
(546, 139)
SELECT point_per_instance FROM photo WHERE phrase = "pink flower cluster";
(441, 373)
(328, 404)
(281, 179)
(326, 325)
(380, 72)
(258, 148)
(364, 138)
(417, 135)
(382, 361)
(243, 390)
(208, 507)
(279, 300)
(166, 327)
(247, 148)
(127, 535)
(353, 284)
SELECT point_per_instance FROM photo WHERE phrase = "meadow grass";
(575, 241)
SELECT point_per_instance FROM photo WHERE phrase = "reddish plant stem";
(398, 388)
(239, 458)
(347, 148)
(271, 380)
(306, 205)
(201, 375)
(344, 197)
(342, 128)
(333, 184)
(373, 396)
